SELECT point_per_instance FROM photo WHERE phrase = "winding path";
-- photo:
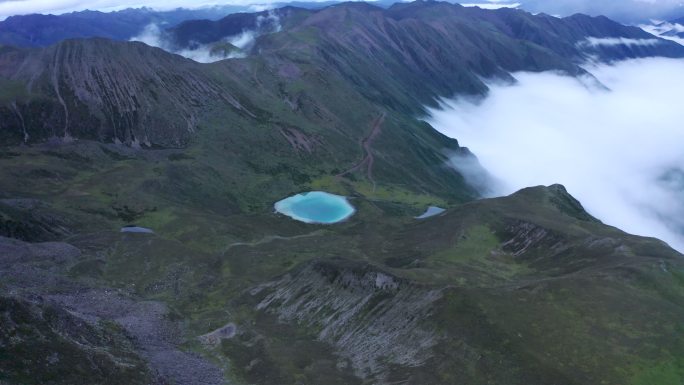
(271, 238)
(366, 144)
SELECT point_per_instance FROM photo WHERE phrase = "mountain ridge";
(42, 30)
(428, 46)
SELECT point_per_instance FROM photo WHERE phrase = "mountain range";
(98, 134)
(43, 30)
(39, 30)
(677, 31)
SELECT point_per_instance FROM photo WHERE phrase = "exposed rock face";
(524, 237)
(112, 92)
(369, 317)
(299, 141)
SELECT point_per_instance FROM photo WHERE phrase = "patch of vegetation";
(665, 373)
(387, 193)
(13, 91)
(288, 355)
(477, 243)
(180, 156)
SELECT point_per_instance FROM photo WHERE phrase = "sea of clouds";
(619, 149)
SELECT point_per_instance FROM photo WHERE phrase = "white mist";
(618, 151)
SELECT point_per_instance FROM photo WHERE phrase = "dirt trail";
(271, 238)
(367, 145)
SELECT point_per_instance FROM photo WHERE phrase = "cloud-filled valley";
(618, 150)
(154, 36)
(229, 47)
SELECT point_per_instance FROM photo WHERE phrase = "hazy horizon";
(626, 11)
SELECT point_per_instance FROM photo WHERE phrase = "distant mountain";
(676, 28)
(489, 43)
(206, 31)
(43, 30)
(673, 33)
(624, 11)
(671, 30)
(38, 30)
(562, 35)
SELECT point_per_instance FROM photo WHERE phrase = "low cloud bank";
(665, 30)
(619, 151)
(615, 41)
(153, 35)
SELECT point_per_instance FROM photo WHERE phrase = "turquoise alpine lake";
(316, 207)
(136, 229)
(431, 212)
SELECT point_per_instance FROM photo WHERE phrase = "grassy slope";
(564, 294)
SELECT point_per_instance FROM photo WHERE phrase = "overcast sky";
(623, 10)
(20, 7)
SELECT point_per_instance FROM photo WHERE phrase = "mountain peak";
(557, 196)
